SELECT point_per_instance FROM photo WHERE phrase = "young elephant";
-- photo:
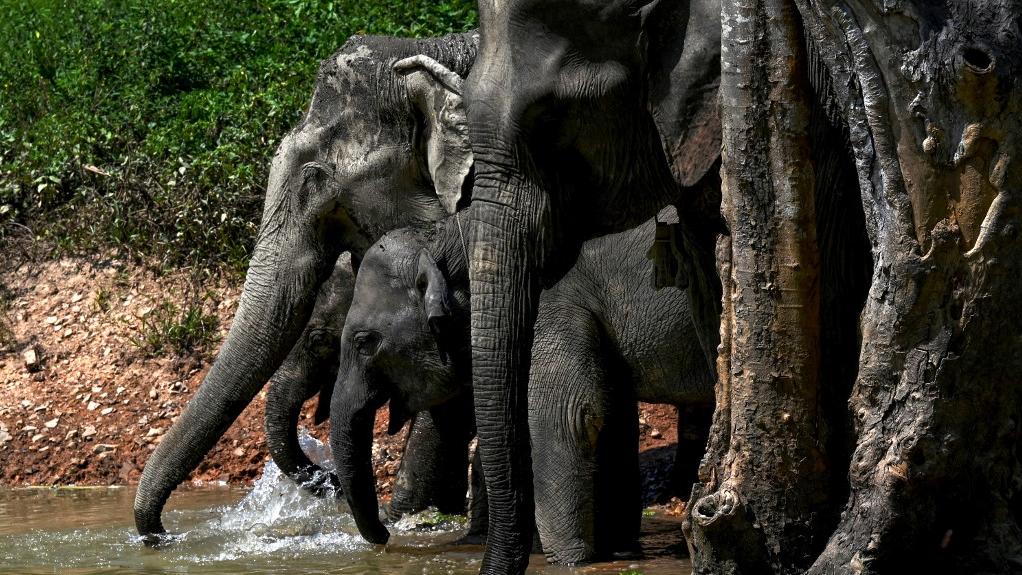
(432, 469)
(604, 339)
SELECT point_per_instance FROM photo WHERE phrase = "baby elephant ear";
(436, 92)
(433, 286)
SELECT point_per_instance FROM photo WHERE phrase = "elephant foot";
(572, 553)
(471, 539)
(474, 537)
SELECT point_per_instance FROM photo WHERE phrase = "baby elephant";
(604, 339)
(432, 470)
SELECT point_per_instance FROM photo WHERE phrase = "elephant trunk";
(506, 253)
(352, 413)
(291, 386)
(275, 304)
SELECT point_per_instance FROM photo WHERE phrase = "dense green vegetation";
(148, 125)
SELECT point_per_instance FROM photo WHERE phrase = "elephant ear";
(684, 73)
(436, 92)
(432, 285)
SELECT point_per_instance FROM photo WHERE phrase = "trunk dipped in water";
(273, 309)
(505, 287)
(290, 388)
(352, 413)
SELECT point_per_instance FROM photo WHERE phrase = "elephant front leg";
(693, 433)
(564, 461)
(434, 464)
(584, 510)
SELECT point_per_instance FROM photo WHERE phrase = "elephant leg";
(567, 412)
(434, 467)
(618, 480)
(693, 433)
(478, 510)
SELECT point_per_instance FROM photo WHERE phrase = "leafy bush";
(149, 126)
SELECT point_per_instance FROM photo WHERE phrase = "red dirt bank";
(91, 407)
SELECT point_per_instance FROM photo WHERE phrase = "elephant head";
(377, 149)
(571, 107)
(405, 341)
(432, 468)
(310, 368)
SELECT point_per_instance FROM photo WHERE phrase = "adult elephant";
(376, 150)
(578, 114)
(605, 338)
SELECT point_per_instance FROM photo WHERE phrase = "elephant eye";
(320, 338)
(366, 342)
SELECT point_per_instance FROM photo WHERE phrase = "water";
(271, 528)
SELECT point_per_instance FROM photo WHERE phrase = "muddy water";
(270, 528)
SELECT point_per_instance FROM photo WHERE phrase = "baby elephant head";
(405, 341)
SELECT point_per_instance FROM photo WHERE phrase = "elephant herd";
(498, 193)
(398, 333)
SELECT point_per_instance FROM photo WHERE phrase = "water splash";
(277, 516)
(276, 501)
(275, 527)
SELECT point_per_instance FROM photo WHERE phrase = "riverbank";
(99, 356)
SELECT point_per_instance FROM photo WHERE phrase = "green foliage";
(168, 329)
(149, 126)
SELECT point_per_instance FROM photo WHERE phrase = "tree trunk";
(935, 476)
(765, 478)
(929, 97)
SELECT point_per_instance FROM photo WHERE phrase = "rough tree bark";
(929, 96)
(765, 477)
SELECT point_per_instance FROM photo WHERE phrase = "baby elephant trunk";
(352, 413)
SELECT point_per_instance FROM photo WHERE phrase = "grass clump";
(149, 126)
(103, 298)
(169, 329)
